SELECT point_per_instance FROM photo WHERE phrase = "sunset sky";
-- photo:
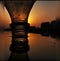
(42, 11)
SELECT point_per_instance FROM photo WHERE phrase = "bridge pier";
(19, 37)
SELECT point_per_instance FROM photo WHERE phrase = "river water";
(41, 47)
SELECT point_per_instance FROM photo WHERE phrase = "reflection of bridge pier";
(18, 56)
(19, 37)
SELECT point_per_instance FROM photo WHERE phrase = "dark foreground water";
(41, 47)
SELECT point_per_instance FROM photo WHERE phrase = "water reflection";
(19, 45)
(41, 47)
(5, 41)
(18, 56)
(51, 34)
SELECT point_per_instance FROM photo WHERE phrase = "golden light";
(7, 16)
(22, 16)
(31, 17)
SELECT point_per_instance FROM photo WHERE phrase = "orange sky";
(42, 11)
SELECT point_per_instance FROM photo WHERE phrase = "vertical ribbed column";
(19, 11)
(19, 36)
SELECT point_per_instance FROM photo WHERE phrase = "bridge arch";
(25, 6)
